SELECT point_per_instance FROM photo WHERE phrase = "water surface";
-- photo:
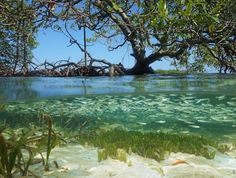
(200, 104)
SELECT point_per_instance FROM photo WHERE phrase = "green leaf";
(116, 6)
(3, 154)
(154, 22)
(189, 8)
(163, 10)
(211, 28)
(12, 159)
(215, 19)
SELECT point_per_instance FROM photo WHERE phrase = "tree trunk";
(140, 68)
(25, 55)
(17, 54)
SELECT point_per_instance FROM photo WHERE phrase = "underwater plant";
(18, 147)
(2, 107)
(102, 155)
(121, 155)
(149, 144)
(51, 136)
(118, 154)
(14, 146)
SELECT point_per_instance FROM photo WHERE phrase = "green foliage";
(116, 143)
(168, 29)
(163, 10)
(17, 32)
(19, 147)
(155, 30)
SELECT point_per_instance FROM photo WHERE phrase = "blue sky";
(53, 46)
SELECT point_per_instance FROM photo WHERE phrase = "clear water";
(201, 104)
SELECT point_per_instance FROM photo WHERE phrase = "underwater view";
(147, 126)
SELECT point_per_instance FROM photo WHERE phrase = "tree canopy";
(17, 34)
(181, 30)
(191, 33)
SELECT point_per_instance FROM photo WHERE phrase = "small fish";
(161, 122)
(194, 126)
(221, 97)
(186, 102)
(231, 103)
(202, 121)
(189, 97)
(201, 100)
(142, 123)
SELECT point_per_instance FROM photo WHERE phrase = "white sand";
(78, 161)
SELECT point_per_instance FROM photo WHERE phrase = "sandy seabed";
(79, 161)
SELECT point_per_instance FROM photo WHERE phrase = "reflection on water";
(203, 105)
(35, 88)
(12, 89)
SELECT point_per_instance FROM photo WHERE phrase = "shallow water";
(201, 104)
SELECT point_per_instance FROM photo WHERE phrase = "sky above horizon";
(54, 46)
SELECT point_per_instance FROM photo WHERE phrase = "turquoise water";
(201, 104)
